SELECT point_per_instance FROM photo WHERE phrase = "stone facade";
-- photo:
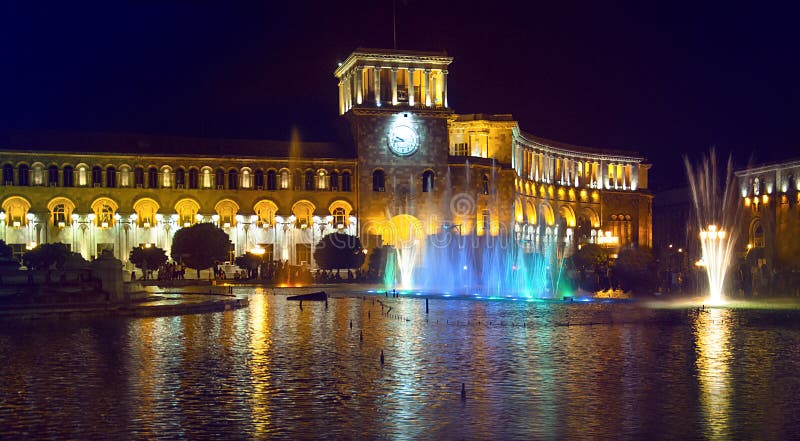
(416, 168)
(770, 195)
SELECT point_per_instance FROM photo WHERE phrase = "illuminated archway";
(16, 209)
(265, 211)
(146, 210)
(187, 210)
(530, 212)
(568, 214)
(592, 215)
(226, 210)
(60, 209)
(104, 210)
(547, 213)
(303, 211)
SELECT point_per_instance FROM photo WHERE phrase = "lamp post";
(3, 223)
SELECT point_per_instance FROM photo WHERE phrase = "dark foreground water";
(273, 370)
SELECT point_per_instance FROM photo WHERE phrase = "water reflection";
(274, 370)
(713, 370)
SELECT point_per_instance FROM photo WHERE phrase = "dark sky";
(662, 80)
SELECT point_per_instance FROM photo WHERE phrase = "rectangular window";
(486, 220)
(302, 253)
(460, 149)
(269, 252)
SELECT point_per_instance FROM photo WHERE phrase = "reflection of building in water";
(405, 153)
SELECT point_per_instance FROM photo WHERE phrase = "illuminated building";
(416, 167)
(770, 195)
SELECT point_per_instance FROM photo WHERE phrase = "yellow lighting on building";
(765, 199)
(747, 202)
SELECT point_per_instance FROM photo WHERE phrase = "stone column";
(377, 72)
(444, 88)
(359, 88)
(411, 87)
(602, 175)
(427, 87)
(341, 97)
(394, 86)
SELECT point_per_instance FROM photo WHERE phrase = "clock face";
(403, 140)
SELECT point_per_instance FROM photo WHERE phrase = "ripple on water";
(531, 370)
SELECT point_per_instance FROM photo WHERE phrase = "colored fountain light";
(716, 211)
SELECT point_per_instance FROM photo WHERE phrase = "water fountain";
(465, 260)
(717, 213)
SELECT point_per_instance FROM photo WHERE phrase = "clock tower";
(396, 105)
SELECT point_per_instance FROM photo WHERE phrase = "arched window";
(104, 210)
(339, 217)
(207, 178)
(259, 179)
(322, 178)
(187, 212)
(265, 211)
(226, 210)
(138, 177)
(219, 178)
(97, 176)
(340, 210)
(16, 209)
(427, 181)
(284, 179)
(111, 177)
(69, 176)
(346, 186)
(485, 184)
(146, 210)
(38, 175)
(124, 176)
(23, 175)
(180, 178)
(246, 178)
(757, 234)
(233, 180)
(272, 181)
(309, 180)
(378, 181)
(61, 211)
(334, 181)
(297, 180)
(194, 181)
(52, 176)
(152, 177)
(59, 215)
(81, 175)
(166, 177)
(8, 174)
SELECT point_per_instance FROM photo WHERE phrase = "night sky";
(660, 80)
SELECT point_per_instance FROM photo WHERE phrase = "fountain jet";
(717, 213)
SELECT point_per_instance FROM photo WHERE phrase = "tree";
(148, 258)
(200, 245)
(339, 250)
(591, 257)
(249, 262)
(45, 256)
(636, 271)
(5, 250)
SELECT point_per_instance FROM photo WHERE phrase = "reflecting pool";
(531, 370)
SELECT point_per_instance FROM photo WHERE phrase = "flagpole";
(394, 22)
